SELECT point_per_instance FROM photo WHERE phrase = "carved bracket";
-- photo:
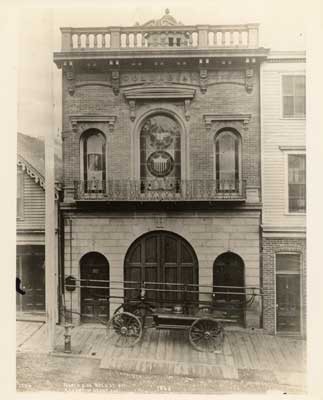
(203, 80)
(132, 106)
(249, 82)
(115, 81)
(203, 64)
(219, 121)
(187, 103)
(68, 70)
(81, 123)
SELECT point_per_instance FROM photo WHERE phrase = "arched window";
(160, 154)
(93, 160)
(227, 160)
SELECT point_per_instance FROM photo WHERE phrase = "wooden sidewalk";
(249, 356)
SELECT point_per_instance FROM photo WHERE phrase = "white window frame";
(300, 273)
(292, 73)
(286, 186)
(20, 176)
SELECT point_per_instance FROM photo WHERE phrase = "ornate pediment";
(165, 20)
(157, 93)
(224, 120)
(83, 122)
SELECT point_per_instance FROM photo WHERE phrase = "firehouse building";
(162, 159)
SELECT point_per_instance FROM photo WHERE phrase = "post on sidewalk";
(50, 256)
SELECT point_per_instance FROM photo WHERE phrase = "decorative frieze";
(179, 77)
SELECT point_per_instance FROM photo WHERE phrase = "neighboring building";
(284, 192)
(161, 150)
(31, 226)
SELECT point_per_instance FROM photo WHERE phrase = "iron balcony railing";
(160, 190)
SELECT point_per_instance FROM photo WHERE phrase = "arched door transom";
(161, 257)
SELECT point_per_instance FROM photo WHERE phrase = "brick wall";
(209, 235)
(220, 98)
(272, 246)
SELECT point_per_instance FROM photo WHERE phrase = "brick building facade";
(162, 160)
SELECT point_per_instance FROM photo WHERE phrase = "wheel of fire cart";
(128, 328)
(206, 334)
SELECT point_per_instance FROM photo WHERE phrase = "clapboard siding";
(276, 132)
(34, 205)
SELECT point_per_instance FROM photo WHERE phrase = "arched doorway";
(95, 292)
(162, 257)
(228, 270)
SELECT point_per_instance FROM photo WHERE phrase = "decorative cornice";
(31, 171)
(34, 174)
(83, 122)
(285, 60)
(287, 232)
(222, 118)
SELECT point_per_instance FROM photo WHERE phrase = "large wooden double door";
(161, 257)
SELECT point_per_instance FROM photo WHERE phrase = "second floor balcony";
(160, 190)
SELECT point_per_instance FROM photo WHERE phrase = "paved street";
(41, 372)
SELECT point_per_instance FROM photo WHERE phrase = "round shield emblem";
(160, 163)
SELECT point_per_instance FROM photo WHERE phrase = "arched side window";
(227, 160)
(160, 153)
(93, 152)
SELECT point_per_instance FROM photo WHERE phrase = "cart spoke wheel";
(206, 334)
(128, 328)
